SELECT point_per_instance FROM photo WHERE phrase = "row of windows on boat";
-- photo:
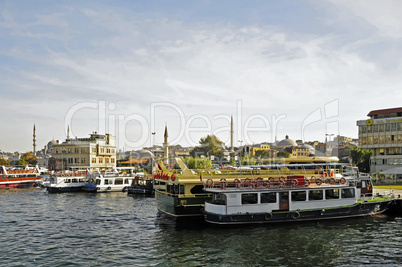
(97, 181)
(272, 197)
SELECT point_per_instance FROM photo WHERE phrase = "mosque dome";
(286, 142)
(310, 148)
(143, 153)
(51, 143)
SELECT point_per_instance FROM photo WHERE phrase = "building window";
(369, 140)
(94, 150)
(388, 127)
(112, 160)
(93, 160)
(388, 139)
(364, 140)
(400, 138)
(77, 150)
(382, 139)
(381, 127)
(107, 160)
(375, 139)
(375, 128)
(100, 160)
(400, 126)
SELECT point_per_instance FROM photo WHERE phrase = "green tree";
(209, 146)
(361, 157)
(283, 154)
(4, 162)
(197, 163)
(28, 158)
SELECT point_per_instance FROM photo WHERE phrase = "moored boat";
(141, 185)
(108, 182)
(20, 178)
(291, 200)
(60, 183)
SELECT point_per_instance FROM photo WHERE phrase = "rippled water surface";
(80, 229)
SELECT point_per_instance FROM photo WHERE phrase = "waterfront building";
(382, 133)
(97, 151)
(251, 150)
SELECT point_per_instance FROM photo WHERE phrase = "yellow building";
(251, 150)
(97, 151)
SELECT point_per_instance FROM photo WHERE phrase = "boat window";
(219, 199)
(81, 180)
(268, 197)
(126, 181)
(106, 181)
(348, 193)
(118, 181)
(299, 196)
(198, 189)
(315, 195)
(182, 189)
(332, 194)
(98, 181)
(74, 180)
(249, 198)
(67, 181)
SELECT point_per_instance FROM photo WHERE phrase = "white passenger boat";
(291, 199)
(59, 183)
(108, 182)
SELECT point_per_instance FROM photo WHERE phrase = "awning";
(397, 170)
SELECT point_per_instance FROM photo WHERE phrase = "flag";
(201, 176)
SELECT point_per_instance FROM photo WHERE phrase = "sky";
(306, 69)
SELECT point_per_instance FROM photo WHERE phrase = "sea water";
(114, 229)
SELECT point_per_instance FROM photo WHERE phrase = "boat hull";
(357, 210)
(178, 206)
(103, 189)
(65, 189)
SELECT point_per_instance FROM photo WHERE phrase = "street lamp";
(153, 151)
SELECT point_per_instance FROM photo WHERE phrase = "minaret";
(166, 145)
(231, 134)
(34, 141)
(68, 132)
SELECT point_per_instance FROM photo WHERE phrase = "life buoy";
(306, 182)
(296, 215)
(237, 183)
(173, 177)
(342, 180)
(267, 184)
(209, 182)
(318, 181)
(324, 174)
(223, 183)
(108, 188)
(268, 216)
(331, 174)
(294, 182)
(247, 182)
(332, 181)
(281, 182)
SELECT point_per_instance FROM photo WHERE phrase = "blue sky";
(298, 68)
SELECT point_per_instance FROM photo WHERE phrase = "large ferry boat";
(291, 199)
(19, 177)
(180, 193)
(108, 182)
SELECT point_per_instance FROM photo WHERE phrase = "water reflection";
(43, 229)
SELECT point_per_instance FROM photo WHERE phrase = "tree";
(209, 146)
(28, 158)
(4, 162)
(361, 157)
(197, 163)
(283, 154)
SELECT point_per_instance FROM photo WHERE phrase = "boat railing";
(276, 183)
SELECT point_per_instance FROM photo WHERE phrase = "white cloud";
(202, 67)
